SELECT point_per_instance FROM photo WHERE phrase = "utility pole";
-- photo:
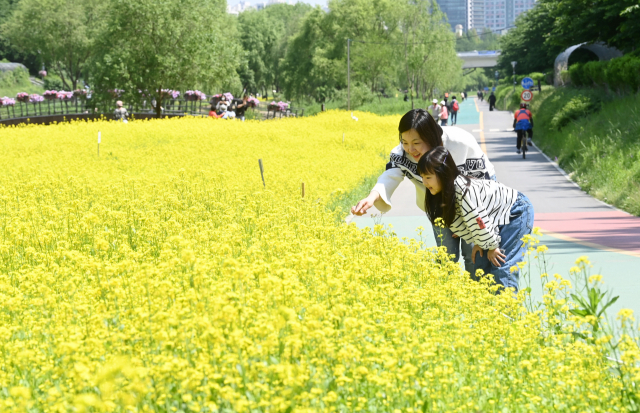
(349, 75)
(514, 63)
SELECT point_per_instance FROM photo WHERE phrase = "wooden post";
(98, 143)
(303, 189)
(261, 172)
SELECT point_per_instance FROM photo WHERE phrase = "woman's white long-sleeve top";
(464, 149)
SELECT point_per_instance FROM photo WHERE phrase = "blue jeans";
(454, 247)
(511, 245)
(454, 117)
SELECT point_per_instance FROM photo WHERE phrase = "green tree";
(264, 36)
(472, 40)
(616, 23)
(313, 66)
(529, 43)
(150, 46)
(60, 32)
(427, 51)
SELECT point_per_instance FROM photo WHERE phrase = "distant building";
(244, 5)
(479, 14)
(501, 14)
(456, 11)
(240, 7)
(475, 15)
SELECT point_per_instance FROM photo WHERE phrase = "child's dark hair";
(439, 162)
(422, 121)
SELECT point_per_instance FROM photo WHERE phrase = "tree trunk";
(158, 107)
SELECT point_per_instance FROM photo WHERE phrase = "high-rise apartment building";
(478, 14)
(501, 14)
(475, 16)
(456, 11)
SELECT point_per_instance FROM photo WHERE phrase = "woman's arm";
(381, 192)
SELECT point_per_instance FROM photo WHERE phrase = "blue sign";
(493, 89)
(527, 83)
(486, 88)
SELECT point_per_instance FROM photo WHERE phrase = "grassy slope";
(12, 83)
(599, 147)
(388, 106)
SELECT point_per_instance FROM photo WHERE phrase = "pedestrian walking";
(120, 114)
(492, 101)
(522, 122)
(434, 109)
(444, 113)
(419, 133)
(455, 107)
(486, 213)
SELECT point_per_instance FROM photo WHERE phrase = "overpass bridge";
(483, 58)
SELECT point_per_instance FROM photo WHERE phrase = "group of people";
(223, 109)
(455, 181)
(445, 110)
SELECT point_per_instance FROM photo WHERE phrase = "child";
(492, 216)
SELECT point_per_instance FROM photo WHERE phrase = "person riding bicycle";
(522, 122)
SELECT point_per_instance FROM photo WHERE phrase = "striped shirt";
(485, 205)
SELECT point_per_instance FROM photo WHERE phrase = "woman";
(444, 113)
(419, 133)
(486, 213)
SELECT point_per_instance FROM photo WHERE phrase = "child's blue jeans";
(511, 245)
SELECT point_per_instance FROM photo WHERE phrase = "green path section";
(468, 115)
(562, 255)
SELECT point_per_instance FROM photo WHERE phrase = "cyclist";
(522, 122)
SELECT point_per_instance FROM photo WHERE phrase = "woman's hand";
(363, 206)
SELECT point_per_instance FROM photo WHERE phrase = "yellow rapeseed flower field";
(161, 276)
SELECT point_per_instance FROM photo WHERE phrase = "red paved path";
(612, 229)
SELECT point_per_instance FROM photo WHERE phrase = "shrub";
(577, 74)
(53, 82)
(576, 107)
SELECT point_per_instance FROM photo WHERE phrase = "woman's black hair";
(422, 121)
(439, 162)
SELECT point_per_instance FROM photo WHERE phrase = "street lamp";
(514, 63)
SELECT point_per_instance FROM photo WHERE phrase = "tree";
(60, 32)
(150, 46)
(529, 43)
(472, 40)
(616, 23)
(427, 51)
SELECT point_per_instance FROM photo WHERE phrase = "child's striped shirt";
(480, 209)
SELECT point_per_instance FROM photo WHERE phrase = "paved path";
(573, 223)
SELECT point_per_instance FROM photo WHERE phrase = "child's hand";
(495, 256)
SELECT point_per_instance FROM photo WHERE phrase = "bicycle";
(523, 140)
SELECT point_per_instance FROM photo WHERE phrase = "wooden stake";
(261, 172)
(98, 143)
(303, 189)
